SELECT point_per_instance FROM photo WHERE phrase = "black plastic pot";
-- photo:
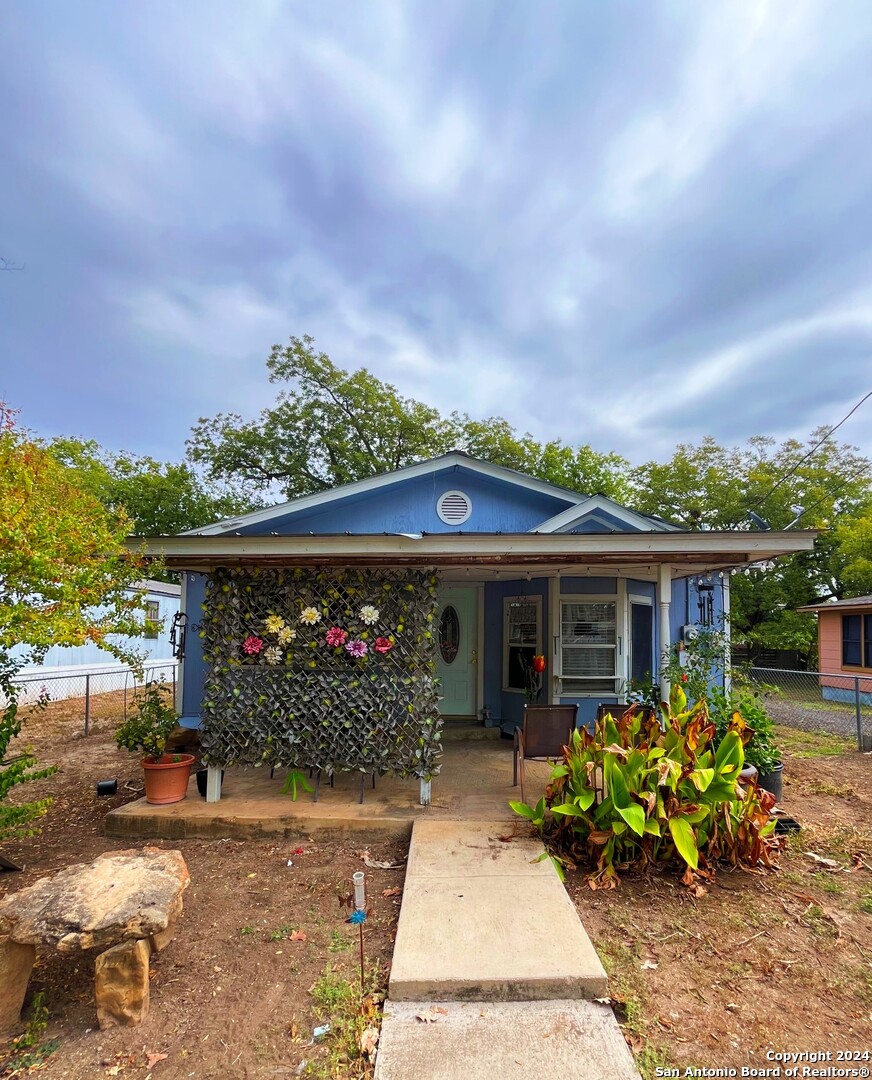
(202, 775)
(107, 787)
(773, 781)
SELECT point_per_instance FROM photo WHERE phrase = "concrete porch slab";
(574, 1040)
(482, 921)
(475, 784)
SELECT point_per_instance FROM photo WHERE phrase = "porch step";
(573, 1040)
(467, 732)
(482, 921)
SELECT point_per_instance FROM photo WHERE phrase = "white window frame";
(536, 600)
(619, 680)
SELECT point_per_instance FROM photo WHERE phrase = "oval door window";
(449, 635)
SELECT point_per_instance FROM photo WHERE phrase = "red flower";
(252, 645)
(684, 678)
(336, 637)
(538, 664)
(383, 645)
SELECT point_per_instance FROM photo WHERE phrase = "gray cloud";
(626, 224)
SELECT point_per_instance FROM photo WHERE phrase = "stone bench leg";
(121, 984)
(16, 963)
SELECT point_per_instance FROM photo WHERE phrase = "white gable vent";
(454, 507)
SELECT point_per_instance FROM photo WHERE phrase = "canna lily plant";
(639, 791)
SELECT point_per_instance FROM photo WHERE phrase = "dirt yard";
(770, 962)
(779, 962)
(262, 956)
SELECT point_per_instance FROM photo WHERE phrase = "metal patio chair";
(543, 734)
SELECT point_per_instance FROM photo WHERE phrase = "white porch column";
(728, 676)
(213, 784)
(664, 593)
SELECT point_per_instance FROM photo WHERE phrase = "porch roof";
(686, 552)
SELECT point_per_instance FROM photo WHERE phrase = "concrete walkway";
(493, 972)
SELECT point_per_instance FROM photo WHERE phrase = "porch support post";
(665, 597)
(728, 674)
(213, 784)
(425, 792)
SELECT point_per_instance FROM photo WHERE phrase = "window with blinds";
(588, 646)
(522, 637)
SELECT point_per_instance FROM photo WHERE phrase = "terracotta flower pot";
(166, 778)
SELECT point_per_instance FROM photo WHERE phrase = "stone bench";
(125, 902)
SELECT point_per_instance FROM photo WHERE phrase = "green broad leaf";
(616, 781)
(521, 808)
(558, 771)
(685, 840)
(730, 755)
(568, 810)
(703, 813)
(701, 778)
(634, 816)
(619, 827)
(652, 827)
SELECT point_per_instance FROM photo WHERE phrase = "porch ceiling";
(631, 554)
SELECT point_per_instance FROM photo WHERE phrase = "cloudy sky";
(624, 223)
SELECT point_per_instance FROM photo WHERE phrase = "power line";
(830, 494)
(816, 446)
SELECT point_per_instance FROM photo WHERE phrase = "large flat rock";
(120, 896)
(572, 1040)
(481, 920)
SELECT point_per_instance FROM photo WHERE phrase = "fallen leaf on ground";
(375, 864)
(395, 891)
(153, 1059)
(825, 864)
(298, 935)
(649, 965)
(368, 1042)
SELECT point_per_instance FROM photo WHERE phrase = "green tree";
(330, 427)
(791, 484)
(160, 498)
(65, 578)
(853, 538)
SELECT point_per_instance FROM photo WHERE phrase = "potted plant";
(761, 750)
(146, 731)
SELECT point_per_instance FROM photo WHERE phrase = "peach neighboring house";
(845, 648)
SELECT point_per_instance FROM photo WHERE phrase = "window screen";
(522, 637)
(852, 640)
(588, 645)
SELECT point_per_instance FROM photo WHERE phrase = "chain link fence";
(818, 701)
(85, 701)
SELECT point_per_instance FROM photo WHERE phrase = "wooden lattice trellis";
(285, 686)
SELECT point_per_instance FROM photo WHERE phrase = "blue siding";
(507, 706)
(600, 521)
(605, 586)
(410, 506)
(194, 666)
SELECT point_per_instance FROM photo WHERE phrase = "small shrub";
(636, 792)
(761, 749)
(152, 722)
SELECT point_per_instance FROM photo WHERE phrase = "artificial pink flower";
(383, 644)
(336, 637)
(252, 645)
(357, 648)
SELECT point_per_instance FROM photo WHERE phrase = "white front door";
(456, 651)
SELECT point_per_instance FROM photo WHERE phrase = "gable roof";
(382, 480)
(568, 519)
(853, 602)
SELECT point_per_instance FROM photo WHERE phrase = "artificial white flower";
(369, 614)
(286, 634)
(310, 616)
(272, 655)
(274, 624)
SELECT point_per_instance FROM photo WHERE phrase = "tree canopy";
(330, 427)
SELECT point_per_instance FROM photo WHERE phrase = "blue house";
(496, 567)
